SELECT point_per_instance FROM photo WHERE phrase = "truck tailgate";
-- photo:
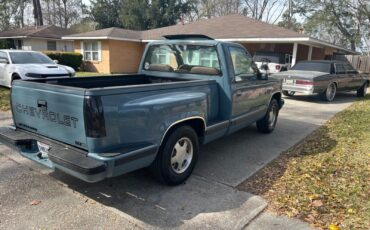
(52, 111)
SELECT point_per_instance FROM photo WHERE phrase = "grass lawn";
(4, 99)
(88, 74)
(324, 180)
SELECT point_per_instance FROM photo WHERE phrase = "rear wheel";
(288, 93)
(268, 122)
(363, 90)
(177, 156)
(329, 93)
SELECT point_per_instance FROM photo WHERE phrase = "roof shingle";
(49, 31)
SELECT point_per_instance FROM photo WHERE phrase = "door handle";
(42, 104)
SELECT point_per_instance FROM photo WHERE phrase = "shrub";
(71, 59)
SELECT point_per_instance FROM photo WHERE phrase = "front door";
(343, 79)
(250, 95)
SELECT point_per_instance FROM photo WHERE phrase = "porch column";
(294, 57)
(309, 53)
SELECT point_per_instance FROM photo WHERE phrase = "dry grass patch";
(324, 180)
(4, 99)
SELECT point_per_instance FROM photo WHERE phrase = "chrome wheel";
(272, 116)
(331, 91)
(182, 155)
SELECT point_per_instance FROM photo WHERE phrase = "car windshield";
(269, 57)
(29, 58)
(183, 58)
(313, 66)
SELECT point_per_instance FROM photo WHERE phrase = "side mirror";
(56, 61)
(4, 61)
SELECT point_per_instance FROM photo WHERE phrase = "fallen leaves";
(324, 180)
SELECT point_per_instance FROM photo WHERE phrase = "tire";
(288, 93)
(363, 90)
(268, 122)
(174, 163)
(329, 93)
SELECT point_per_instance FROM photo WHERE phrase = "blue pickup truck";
(188, 91)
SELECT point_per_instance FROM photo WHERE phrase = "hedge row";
(71, 59)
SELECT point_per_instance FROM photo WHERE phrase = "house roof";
(49, 31)
(230, 26)
(234, 27)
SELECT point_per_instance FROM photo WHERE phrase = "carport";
(300, 48)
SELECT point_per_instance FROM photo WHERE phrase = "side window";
(339, 68)
(350, 68)
(242, 63)
(3, 55)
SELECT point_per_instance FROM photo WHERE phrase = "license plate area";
(289, 81)
(43, 149)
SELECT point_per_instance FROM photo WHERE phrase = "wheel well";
(197, 124)
(15, 76)
(277, 96)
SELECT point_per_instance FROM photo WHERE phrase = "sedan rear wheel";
(363, 90)
(288, 93)
(330, 92)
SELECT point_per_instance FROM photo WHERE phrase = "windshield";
(29, 58)
(183, 58)
(313, 66)
(269, 57)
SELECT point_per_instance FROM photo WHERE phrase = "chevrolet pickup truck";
(188, 91)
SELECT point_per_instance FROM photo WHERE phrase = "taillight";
(94, 117)
(277, 67)
(304, 82)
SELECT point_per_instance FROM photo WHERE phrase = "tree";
(167, 12)
(37, 13)
(340, 20)
(106, 13)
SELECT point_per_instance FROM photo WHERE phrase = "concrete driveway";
(208, 199)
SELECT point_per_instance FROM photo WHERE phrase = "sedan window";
(29, 58)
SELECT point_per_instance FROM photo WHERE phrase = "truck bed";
(109, 81)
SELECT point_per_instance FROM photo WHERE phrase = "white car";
(20, 64)
(272, 62)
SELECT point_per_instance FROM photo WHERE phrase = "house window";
(92, 51)
(51, 45)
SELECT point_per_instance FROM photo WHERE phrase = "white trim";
(306, 40)
(297, 39)
(102, 38)
(99, 49)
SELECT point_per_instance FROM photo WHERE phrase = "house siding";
(116, 57)
(102, 66)
(125, 56)
(37, 44)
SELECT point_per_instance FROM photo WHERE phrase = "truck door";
(249, 94)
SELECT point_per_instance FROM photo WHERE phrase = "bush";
(71, 59)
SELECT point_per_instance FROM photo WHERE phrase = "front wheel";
(363, 90)
(329, 93)
(177, 156)
(268, 122)
(288, 93)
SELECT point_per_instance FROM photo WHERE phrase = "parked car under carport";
(324, 78)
